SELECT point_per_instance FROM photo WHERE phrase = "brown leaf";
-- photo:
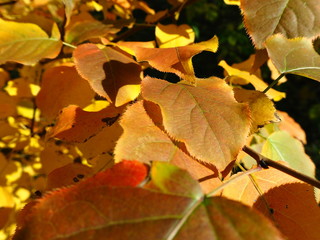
(206, 117)
(77, 125)
(292, 18)
(109, 72)
(7, 105)
(62, 86)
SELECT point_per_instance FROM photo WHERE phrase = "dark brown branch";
(266, 162)
(8, 3)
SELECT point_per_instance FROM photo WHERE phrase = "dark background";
(209, 18)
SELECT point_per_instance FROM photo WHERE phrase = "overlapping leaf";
(171, 206)
(62, 86)
(292, 18)
(258, 83)
(285, 200)
(296, 56)
(171, 35)
(206, 118)
(142, 140)
(27, 43)
(279, 147)
(176, 60)
(109, 72)
(77, 125)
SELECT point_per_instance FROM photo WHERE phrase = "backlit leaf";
(262, 109)
(203, 117)
(279, 147)
(110, 73)
(292, 18)
(258, 83)
(142, 140)
(169, 36)
(76, 125)
(296, 56)
(289, 125)
(294, 209)
(60, 87)
(176, 60)
(171, 206)
(27, 43)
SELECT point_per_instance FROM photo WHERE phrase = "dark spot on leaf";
(77, 160)
(75, 179)
(271, 210)
(72, 126)
(287, 206)
(58, 142)
(80, 176)
(111, 120)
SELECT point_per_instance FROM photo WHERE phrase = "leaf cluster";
(92, 147)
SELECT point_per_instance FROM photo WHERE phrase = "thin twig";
(266, 162)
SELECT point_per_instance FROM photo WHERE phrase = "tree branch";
(266, 162)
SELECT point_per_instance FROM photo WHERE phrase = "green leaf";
(296, 56)
(280, 146)
(27, 43)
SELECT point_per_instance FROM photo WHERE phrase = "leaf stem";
(266, 162)
(241, 175)
(69, 45)
(274, 82)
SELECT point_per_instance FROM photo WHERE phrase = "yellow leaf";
(27, 43)
(171, 35)
(254, 80)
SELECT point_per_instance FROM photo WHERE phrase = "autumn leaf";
(62, 86)
(77, 125)
(144, 141)
(262, 109)
(292, 18)
(294, 209)
(170, 36)
(176, 60)
(258, 83)
(27, 43)
(279, 147)
(203, 117)
(8, 105)
(67, 175)
(289, 125)
(109, 72)
(295, 56)
(173, 208)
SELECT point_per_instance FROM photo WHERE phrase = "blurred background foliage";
(214, 17)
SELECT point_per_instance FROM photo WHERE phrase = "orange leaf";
(176, 60)
(76, 125)
(142, 140)
(292, 18)
(207, 118)
(7, 105)
(67, 175)
(62, 86)
(294, 208)
(109, 72)
(292, 127)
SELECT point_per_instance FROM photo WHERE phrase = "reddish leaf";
(76, 125)
(207, 118)
(109, 72)
(60, 87)
(67, 175)
(171, 206)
